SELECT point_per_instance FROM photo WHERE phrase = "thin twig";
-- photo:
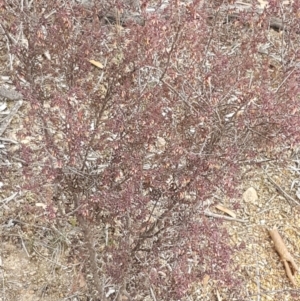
(24, 247)
(49, 260)
(152, 294)
(9, 117)
(9, 140)
(8, 199)
(285, 79)
(68, 242)
(3, 283)
(211, 214)
(170, 53)
(257, 277)
(281, 191)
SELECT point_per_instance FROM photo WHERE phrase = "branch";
(170, 52)
(282, 192)
(211, 214)
(9, 117)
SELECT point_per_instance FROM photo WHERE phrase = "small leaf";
(97, 64)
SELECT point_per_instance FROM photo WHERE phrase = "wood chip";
(226, 210)
(96, 63)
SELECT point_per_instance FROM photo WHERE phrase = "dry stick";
(8, 199)
(281, 191)
(285, 79)
(152, 293)
(176, 38)
(9, 140)
(285, 256)
(23, 245)
(211, 214)
(149, 232)
(257, 276)
(10, 116)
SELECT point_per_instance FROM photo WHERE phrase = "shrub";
(139, 145)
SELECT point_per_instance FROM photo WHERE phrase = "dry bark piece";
(288, 261)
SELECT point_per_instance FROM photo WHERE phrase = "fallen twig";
(211, 214)
(152, 293)
(257, 277)
(9, 117)
(282, 192)
(8, 199)
(9, 140)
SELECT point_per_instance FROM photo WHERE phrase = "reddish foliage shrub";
(140, 144)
